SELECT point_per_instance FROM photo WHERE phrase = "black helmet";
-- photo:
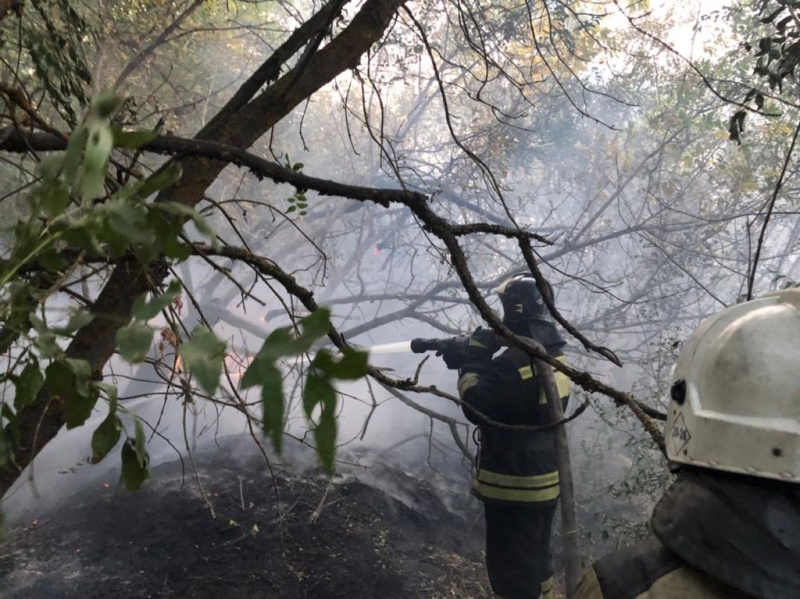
(521, 299)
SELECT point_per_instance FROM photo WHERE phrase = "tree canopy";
(205, 197)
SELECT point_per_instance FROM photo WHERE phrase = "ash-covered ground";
(228, 527)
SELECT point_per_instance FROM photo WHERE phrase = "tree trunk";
(240, 123)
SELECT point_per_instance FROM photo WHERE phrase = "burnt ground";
(285, 535)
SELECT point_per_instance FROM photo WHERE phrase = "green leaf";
(53, 198)
(203, 355)
(21, 303)
(144, 311)
(38, 324)
(51, 260)
(177, 250)
(274, 347)
(319, 392)
(73, 155)
(52, 165)
(111, 393)
(70, 379)
(29, 236)
(134, 471)
(159, 180)
(281, 343)
(105, 437)
(128, 222)
(140, 443)
(263, 372)
(167, 230)
(252, 374)
(27, 384)
(273, 404)
(82, 372)
(134, 342)
(187, 212)
(82, 235)
(45, 342)
(77, 321)
(317, 324)
(105, 104)
(99, 143)
(352, 365)
(316, 383)
(132, 139)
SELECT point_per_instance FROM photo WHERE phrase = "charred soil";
(234, 529)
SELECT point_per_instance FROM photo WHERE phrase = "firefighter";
(517, 475)
(729, 526)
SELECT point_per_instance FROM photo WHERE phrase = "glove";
(454, 358)
(474, 352)
(481, 346)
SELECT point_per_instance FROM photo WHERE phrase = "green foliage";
(204, 355)
(135, 461)
(134, 341)
(27, 384)
(53, 34)
(777, 54)
(298, 202)
(319, 391)
(106, 436)
(69, 381)
(76, 209)
(144, 310)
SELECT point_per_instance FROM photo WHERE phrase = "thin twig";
(768, 216)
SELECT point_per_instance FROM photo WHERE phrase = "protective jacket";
(717, 536)
(514, 466)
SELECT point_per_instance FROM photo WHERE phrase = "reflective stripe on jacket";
(514, 466)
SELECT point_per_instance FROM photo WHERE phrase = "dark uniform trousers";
(517, 477)
(518, 550)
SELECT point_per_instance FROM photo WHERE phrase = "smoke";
(647, 212)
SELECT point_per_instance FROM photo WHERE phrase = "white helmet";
(736, 391)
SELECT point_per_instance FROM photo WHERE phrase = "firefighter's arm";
(484, 389)
(475, 351)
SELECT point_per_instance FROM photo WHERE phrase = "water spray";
(400, 347)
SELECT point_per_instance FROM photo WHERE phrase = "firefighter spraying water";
(517, 475)
(450, 345)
